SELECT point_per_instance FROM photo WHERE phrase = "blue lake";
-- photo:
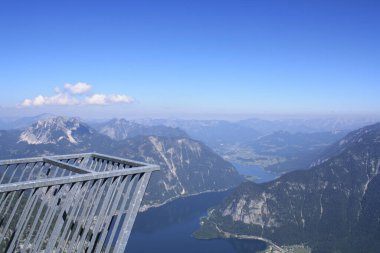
(169, 229)
(260, 175)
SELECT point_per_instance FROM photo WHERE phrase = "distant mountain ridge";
(120, 129)
(268, 126)
(293, 151)
(333, 207)
(309, 125)
(187, 166)
(277, 145)
(214, 133)
(22, 122)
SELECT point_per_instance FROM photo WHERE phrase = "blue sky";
(177, 57)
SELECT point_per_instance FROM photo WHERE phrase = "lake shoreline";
(145, 208)
(169, 228)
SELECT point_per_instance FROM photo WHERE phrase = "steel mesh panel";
(73, 203)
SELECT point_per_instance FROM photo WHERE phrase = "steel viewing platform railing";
(70, 203)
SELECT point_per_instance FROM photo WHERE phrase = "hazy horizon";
(225, 117)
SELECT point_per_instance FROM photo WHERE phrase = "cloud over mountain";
(58, 99)
(101, 99)
(74, 94)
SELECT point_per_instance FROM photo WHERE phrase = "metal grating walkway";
(71, 203)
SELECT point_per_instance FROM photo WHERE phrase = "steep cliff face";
(187, 166)
(332, 207)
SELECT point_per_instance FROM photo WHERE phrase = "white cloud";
(96, 99)
(27, 102)
(120, 99)
(58, 99)
(78, 88)
(101, 99)
(71, 95)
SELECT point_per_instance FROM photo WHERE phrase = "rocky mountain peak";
(54, 130)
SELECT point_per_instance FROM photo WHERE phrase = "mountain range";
(277, 145)
(187, 166)
(332, 207)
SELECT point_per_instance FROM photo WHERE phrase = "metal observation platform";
(70, 203)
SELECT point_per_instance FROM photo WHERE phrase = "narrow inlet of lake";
(169, 229)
